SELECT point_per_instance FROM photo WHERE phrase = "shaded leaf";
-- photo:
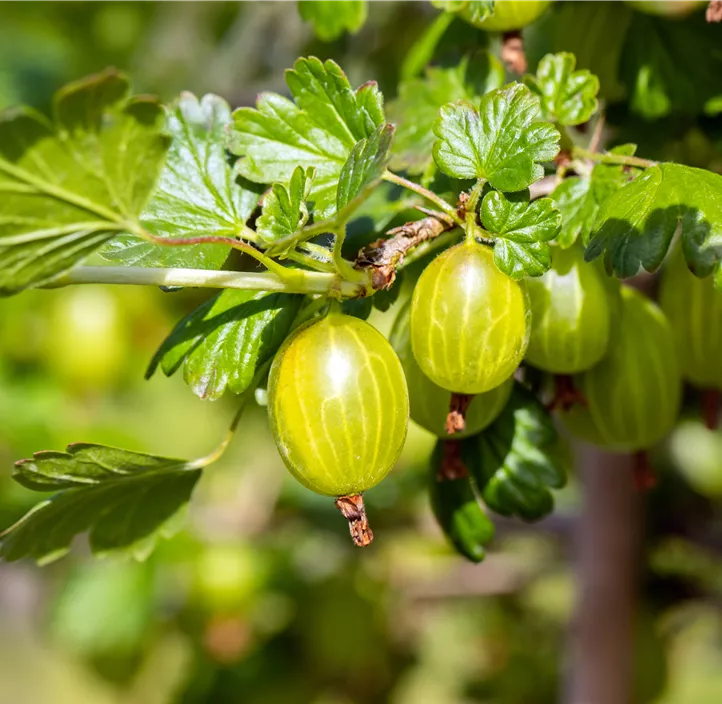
(517, 459)
(331, 18)
(123, 499)
(420, 99)
(222, 344)
(579, 198)
(364, 167)
(501, 141)
(319, 128)
(197, 193)
(69, 185)
(672, 67)
(567, 96)
(636, 224)
(284, 209)
(522, 231)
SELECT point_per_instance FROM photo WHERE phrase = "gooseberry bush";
(517, 234)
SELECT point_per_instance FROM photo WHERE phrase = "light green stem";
(298, 281)
(424, 193)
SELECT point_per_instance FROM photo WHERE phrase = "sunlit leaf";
(501, 141)
(124, 500)
(420, 99)
(567, 96)
(522, 231)
(319, 128)
(331, 18)
(68, 185)
(222, 344)
(197, 193)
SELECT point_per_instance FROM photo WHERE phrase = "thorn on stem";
(353, 510)
(456, 419)
(452, 466)
(644, 476)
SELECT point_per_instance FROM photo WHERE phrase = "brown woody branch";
(384, 256)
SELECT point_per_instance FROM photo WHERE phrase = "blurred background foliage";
(261, 598)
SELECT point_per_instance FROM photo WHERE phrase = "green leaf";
(576, 203)
(636, 224)
(420, 99)
(474, 11)
(70, 185)
(567, 96)
(123, 499)
(579, 198)
(331, 18)
(517, 459)
(501, 141)
(284, 209)
(364, 167)
(222, 344)
(319, 128)
(672, 67)
(197, 194)
(522, 231)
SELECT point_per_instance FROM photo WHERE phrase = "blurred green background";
(261, 597)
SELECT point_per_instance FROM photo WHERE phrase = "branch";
(297, 281)
(384, 256)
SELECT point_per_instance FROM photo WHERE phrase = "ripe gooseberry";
(338, 409)
(430, 403)
(570, 315)
(469, 322)
(633, 394)
(694, 309)
(508, 14)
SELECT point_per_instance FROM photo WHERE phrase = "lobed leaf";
(579, 198)
(123, 499)
(501, 141)
(420, 99)
(284, 209)
(522, 231)
(364, 167)
(319, 128)
(517, 460)
(70, 184)
(567, 97)
(635, 226)
(331, 18)
(197, 193)
(223, 343)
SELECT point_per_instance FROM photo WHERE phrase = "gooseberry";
(633, 394)
(338, 408)
(508, 14)
(570, 315)
(429, 403)
(469, 322)
(694, 309)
